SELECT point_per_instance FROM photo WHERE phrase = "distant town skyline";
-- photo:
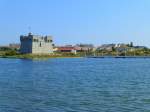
(77, 21)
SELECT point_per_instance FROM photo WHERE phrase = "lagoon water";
(75, 85)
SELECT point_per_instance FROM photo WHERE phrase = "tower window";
(35, 40)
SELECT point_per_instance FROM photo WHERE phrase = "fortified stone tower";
(36, 44)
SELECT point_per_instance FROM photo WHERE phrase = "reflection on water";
(75, 85)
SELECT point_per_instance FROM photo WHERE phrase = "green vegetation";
(15, 54)
(12, 53)
(134, 52)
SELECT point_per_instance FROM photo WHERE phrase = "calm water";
(75, 85)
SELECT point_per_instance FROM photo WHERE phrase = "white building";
(36, 44)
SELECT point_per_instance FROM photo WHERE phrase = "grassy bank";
(14, 54)
(37, 56)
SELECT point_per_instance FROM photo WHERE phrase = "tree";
(131, 44)
(113, 49)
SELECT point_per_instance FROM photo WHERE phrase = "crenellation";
(36, 44)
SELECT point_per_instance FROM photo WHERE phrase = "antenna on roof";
(29, 28)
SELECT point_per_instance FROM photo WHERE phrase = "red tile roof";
(66, 48)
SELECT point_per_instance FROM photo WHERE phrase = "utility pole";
(85, 53)
(29, 28)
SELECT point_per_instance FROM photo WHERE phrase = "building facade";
(66, 49)
(36, 44)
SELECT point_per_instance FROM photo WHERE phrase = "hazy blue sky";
(77, 21)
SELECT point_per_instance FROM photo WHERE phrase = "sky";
(77, 21)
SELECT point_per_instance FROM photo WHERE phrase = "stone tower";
(36, 44)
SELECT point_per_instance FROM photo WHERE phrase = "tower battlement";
(36, 44)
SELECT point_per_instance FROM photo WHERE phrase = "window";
(35, 40)
(49, 41)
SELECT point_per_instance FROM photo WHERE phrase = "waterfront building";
(140, 47)
(66, 49)
(74, 49)
(107, 47)
(84, 47)
(4, 48)
(36, 44)
(14, 46)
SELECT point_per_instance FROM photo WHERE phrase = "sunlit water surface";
(75, 85)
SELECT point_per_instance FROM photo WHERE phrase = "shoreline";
(118, 56)
(38, 57)
(51, 56)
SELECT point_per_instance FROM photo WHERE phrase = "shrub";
(11, 53)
